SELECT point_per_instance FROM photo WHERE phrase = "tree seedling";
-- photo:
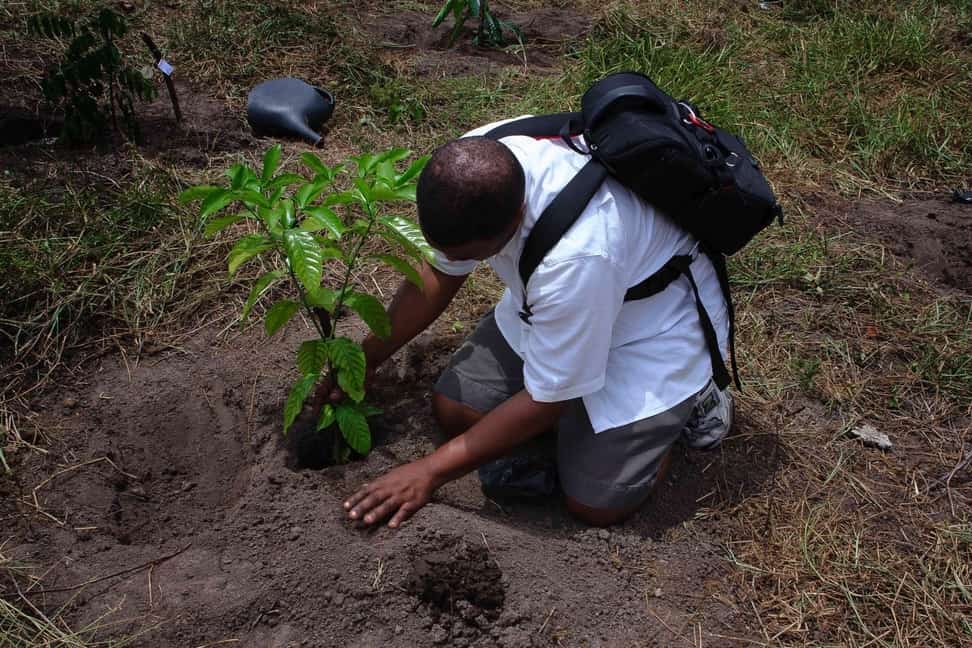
(300, 233)
(92, 80)
(490, 30)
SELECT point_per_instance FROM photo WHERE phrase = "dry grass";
(852, 546)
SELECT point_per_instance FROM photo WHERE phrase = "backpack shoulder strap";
(567, 205)
(556, 219)
(540, 126)
(678, 266)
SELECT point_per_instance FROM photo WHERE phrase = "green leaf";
(349, 360)
(289, 217)
(247, 248)
(413, 170)
(271, 217)
(279, 314)
(295, 401)
(217, 225)
(371, 311)
(309, 191)
(392, 155)
(311, 357)
(365, 163)
(364, 190)
(271, 160)
(384, 192)
(402, 266)
(285, 180)
(241, 177)
(369, 410)
(354, 427)
(359, 226)
(251, 197)
(312, 162)
(385, 171)
(319, 218)
(408, 232)
(443, 12)
(259, 288)
(327, 417)
(275, 195)
(214, 202)
(305, 258)
(322, 298)
(342, 198)
(199, 192)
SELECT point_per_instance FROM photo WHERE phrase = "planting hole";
(457, 578)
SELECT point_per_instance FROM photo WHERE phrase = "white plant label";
(166, 67)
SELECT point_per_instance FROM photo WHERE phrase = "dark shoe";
(518, 477)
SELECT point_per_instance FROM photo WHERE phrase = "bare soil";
(936, 235)
(545, 31)
(167, 504)
(208, 129)
(186, 455)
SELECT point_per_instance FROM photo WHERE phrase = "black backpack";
(702, 177)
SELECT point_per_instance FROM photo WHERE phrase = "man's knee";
(452, 416)
(597, 517)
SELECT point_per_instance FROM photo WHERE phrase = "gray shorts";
(614, 469)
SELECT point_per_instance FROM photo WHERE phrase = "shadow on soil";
(717, 479)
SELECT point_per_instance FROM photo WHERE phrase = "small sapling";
(307, 229)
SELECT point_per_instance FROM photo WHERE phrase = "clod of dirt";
(457, 579)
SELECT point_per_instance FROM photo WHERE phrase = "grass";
(233, 42)
(84, 262)
(863, 548)
(859, 86)
(846, 546)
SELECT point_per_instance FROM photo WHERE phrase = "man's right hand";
(328, 392)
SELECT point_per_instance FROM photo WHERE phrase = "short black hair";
(470, 190)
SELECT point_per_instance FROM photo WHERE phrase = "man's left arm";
(405, 489)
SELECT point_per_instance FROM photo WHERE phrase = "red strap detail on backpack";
(694, 120)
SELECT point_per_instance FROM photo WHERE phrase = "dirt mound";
(544, 32)
(455, 578)
(936, 234)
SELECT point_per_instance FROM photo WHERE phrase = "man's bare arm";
(404, 490)
(412, 310)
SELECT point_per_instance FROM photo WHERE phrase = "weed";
(398, 102)
(239, 41)
(80, 265)
(873, 91)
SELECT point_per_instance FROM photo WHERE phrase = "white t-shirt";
(627, 360)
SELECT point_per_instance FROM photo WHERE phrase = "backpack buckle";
(525, 315)
(526, 312)
(691, 119)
